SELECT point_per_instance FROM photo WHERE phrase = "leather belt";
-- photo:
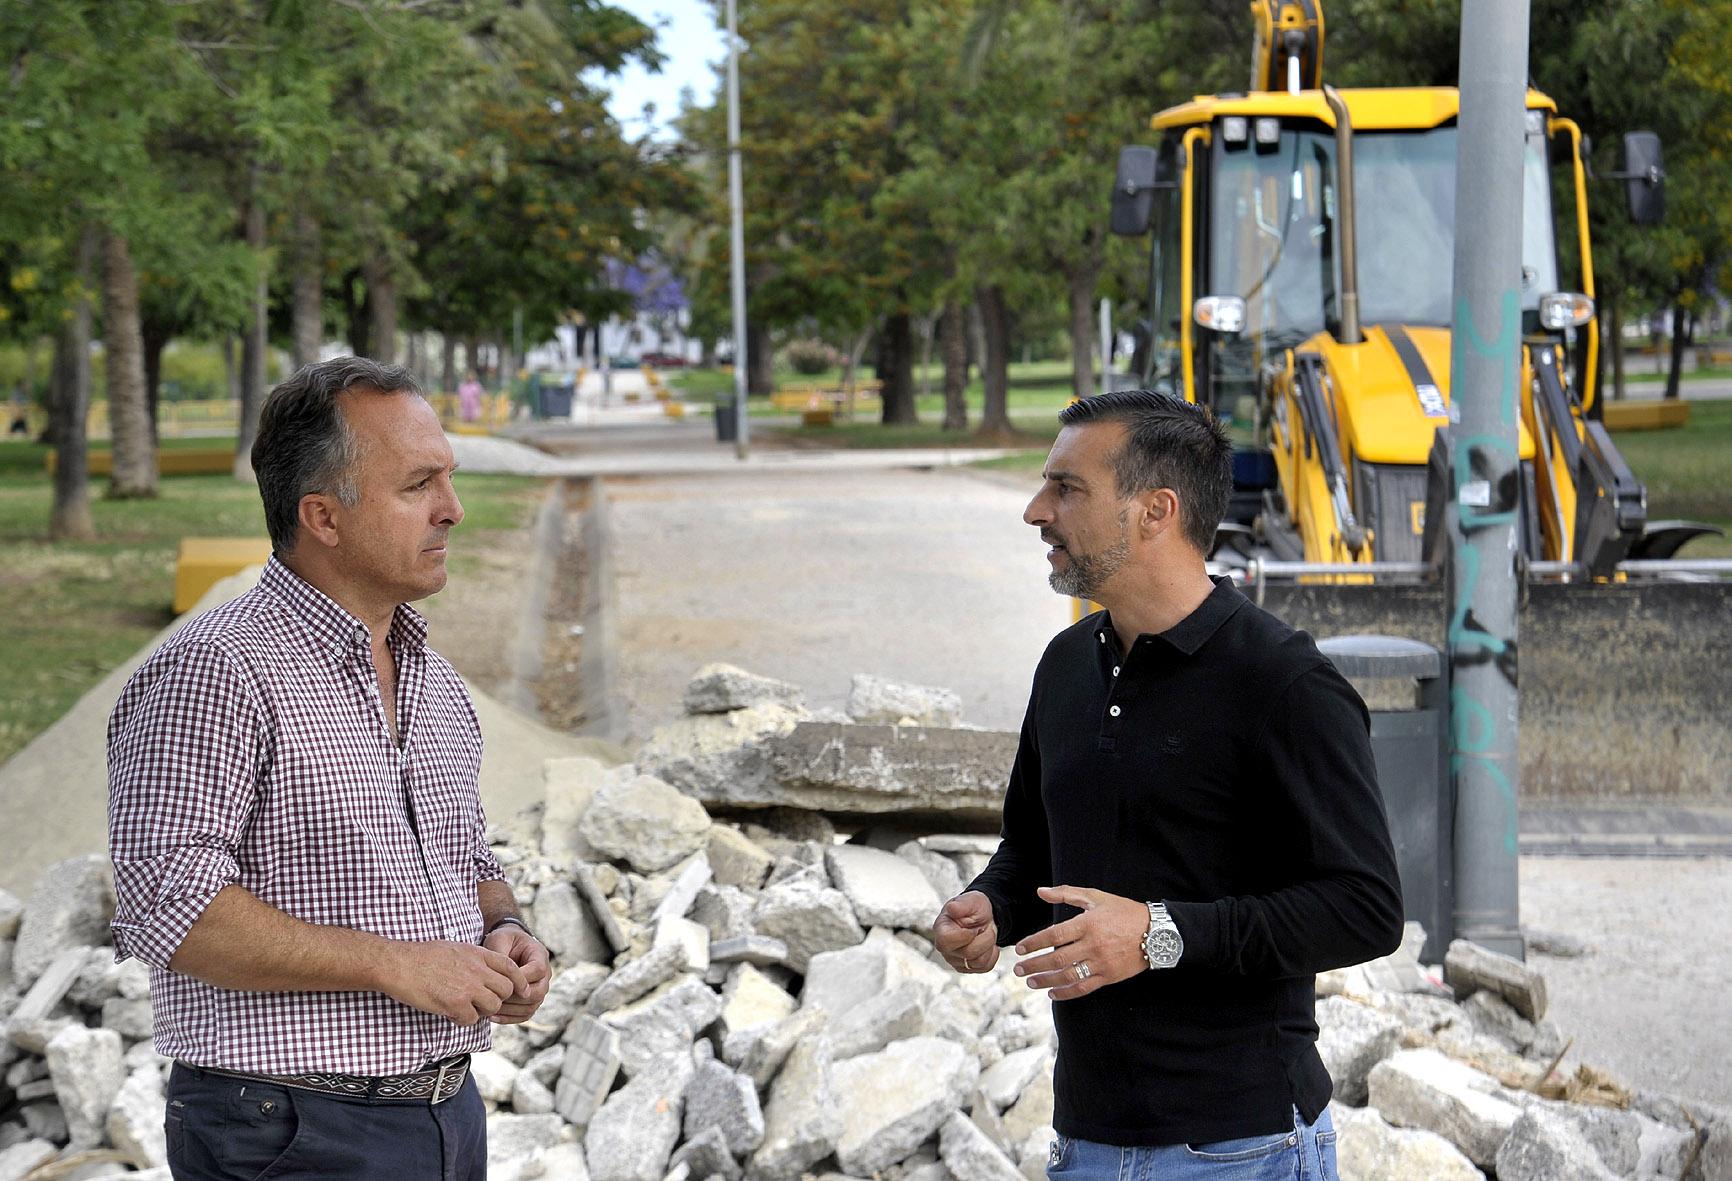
(434, 1085)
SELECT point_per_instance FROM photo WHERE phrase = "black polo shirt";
(1223, 767)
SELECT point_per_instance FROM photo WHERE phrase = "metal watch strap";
(1161, 921)
(514, 921)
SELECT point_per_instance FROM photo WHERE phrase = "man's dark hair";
(1169, 443)
(305, 446)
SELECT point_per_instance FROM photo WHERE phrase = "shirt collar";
(1195, 629)
(329, 623)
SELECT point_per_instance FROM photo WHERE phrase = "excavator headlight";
(1220, 313)
(1565, 309)
(1268, 131)
(1235, 128)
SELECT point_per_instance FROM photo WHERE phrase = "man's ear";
(317, 515)
(1160, 510)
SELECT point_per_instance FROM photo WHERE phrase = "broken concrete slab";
(1351, 1039)
(809, 918)
(940, 871)
(703, 755)
(88, 1073)
(848, 977)
(634, 1133)
(134, 1121)
(970, 1155)
(664, 1022)
(638, 977)
(1371, 1149)
(884, 770)
(644, 822)
(722, 1100)
(568, 785)
(692, 937)
(751, 999)
(885, 890)
(757, 950)
(760, 1051)
(70, 907)
(1424, 1089)
(591, 1064)
(1542, 1145)
(736, 859)
(888, 1017)
(567, 926)
(802, 1118)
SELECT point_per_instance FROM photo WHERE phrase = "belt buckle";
(439, 1080)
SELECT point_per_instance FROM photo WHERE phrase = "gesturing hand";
(965, 933)
(526, 951)
(1107, 936)
(458, 981)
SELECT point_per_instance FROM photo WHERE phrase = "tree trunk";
(928, 329)
(1680, 341)
(309, 290)
(413, 358)
(953, 346)
(253, 344)
(897, 371)
(995, 361)
(70, 517)
(1083, 327)
(231, 370)
(355, 314)
(156, 338)
(447, 363)
(134, 472)
(760, 362)
(382, 308)
(1619, 389)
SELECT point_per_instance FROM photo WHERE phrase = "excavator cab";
(1323, 322)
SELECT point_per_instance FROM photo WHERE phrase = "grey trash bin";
(1410, 746)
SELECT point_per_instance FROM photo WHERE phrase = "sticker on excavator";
(1431, 401)
(1416, 512)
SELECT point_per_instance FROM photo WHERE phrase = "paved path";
(924, 576)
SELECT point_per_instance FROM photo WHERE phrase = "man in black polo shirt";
(1192, 828)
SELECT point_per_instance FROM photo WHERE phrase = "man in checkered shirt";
(298, 843)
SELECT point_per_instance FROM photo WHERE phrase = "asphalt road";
(930, 576)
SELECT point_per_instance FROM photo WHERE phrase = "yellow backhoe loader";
(1300, 282)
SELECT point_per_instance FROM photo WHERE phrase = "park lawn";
(1688, 471)
(75, 610)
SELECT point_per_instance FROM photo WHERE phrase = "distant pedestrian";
(1192, 828)
(20, 424)
(469, 396)
(299, 848)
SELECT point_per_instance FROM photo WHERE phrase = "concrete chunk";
(683, 891)
(705, 1155)
(884, 770)
(634, 1133)
(591, 1064)
(638, 977)
(888, 1017)
(721, 1100)
(940, 871)
(802, 1119)
(1369, 1149)
(848, 977)
(644, 822)
(692, 938)
(1424, 1089)
(757, 950)
(1545, 1146)
(885, 890)
(583, 877)
(25, 1157)
(721, 758)
(876, 700)
(1470, 967)
(87, 1070)
(970, 1155)
(134, 1120)
(568, 785)
(1351, 1039)
(1006, 1080)
(809, 918)
(897, 1098)
(721, 688)
(761, 1050)
(70, 907)
(751, 999)
(663, 1023)
(736, 859)
(567, 927)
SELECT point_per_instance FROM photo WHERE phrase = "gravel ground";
(922, 576)
(1648, 1002)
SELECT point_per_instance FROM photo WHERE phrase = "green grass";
(1688, 471)
(75, 610)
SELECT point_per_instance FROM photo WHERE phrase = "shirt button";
(1114, 711)
(1115, 670)
(1101, 636)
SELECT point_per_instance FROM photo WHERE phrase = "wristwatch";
(514, 921)
(1162, 946)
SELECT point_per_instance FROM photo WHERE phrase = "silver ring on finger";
(1082, 969)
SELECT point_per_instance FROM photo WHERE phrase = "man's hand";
(1107, 936)
(965, 933)
(457, 981)
(526, 951)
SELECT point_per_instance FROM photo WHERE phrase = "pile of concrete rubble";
(756, 996)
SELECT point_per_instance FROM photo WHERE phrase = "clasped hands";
(1107, 937)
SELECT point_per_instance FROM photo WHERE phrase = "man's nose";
(451, 508)
(1036, 513)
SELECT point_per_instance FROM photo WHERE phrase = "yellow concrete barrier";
(1645, 416)
(193, 461)
(204, 561)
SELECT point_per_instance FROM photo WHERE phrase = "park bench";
(821, 406)
(191, 461)
(205, 561)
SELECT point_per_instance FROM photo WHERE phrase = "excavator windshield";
(1274, 231)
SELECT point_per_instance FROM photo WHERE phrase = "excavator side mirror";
(1644, 178)
(1134, 190)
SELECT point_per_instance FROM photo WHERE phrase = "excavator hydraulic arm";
(1287, 46)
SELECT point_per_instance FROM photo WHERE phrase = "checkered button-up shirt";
(252, 749)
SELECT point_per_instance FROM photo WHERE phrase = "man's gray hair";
(304, 445)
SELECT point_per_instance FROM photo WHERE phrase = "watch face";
(1163, 947)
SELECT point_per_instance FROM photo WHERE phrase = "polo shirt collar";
(1195, 629)
(328, 623)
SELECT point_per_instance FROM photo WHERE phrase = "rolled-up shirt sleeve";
(186, 744)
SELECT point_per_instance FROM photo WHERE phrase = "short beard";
(1084, 575)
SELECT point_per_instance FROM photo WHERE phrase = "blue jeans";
(1304, 1153)
(228, 1129)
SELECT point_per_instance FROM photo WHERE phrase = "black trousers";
(229, 1129)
